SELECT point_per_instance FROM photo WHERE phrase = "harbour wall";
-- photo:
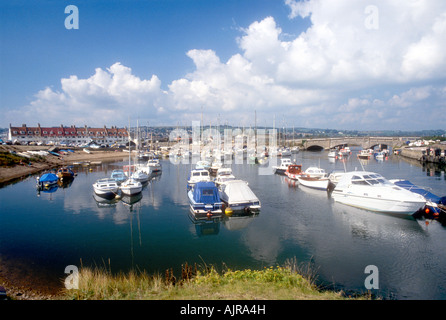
(427, 154)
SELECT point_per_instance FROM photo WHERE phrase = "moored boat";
(205, 200)
(284, 163)
(364, 154)
(224, 175)
(131, 187)
(106, 187)
(203, 164)
(371, 191)
(320, 183)
(47, 180)
(154, 165)
(118, 175)
(315, 172)
(238, 196)
(332, 154)
(435, 205)
(140, 175)
(293, 171)
(65, 173)
(197, 175)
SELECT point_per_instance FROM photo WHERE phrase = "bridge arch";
(314, 147)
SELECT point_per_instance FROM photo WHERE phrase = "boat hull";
(252, 206)
(130, 191)
(314, 183)
(378, 204)
(105, 192)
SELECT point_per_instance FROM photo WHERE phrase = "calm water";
(49, 231)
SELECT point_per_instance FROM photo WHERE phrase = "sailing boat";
(131, 186)
(139, 174)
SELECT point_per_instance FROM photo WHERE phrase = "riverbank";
(36, 164)
(420, 154)
(273, 283)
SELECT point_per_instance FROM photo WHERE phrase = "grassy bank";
(280, 283)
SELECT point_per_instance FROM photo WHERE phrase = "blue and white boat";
(106, 187)
(47, 180)
(118, 175)
(205, 200)
(203, 164)
(435, 205)
(197, 175)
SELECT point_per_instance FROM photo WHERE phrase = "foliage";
(268, 283)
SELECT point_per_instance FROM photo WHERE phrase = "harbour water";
(48, 231)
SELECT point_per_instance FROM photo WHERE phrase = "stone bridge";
(364, 142)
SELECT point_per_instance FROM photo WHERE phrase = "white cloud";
(99, 100)
(328, 75)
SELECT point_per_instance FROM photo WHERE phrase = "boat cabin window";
(360, 182)
(196, 174)
(369, 179)
(205, 173)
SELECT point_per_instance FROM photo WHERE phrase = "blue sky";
(342, 64)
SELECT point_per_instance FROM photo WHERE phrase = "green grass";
(9, 159)
(273, 283)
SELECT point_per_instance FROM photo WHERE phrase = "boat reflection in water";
(238, 220)
(104, 201)
(49, 190)
(131, 200)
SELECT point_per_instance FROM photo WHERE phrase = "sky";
(343, 64)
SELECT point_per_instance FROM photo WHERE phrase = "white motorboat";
(154, 165)
(238, 196)
(371, 191)
(285, 152)
(315, 172)
(344, 152)
(140, 175)
(106, 187)
(224, 175)
(215, 166)
(320, 183)
(335, 176)
(203, 164)
(118, 175)
(284, 163)
(197, 175)
(131, 187)
(332, 154)
(364, 154)
(380, 155)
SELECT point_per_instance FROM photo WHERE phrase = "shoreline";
(16, 172)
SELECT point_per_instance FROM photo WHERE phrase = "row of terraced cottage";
(71, 135)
